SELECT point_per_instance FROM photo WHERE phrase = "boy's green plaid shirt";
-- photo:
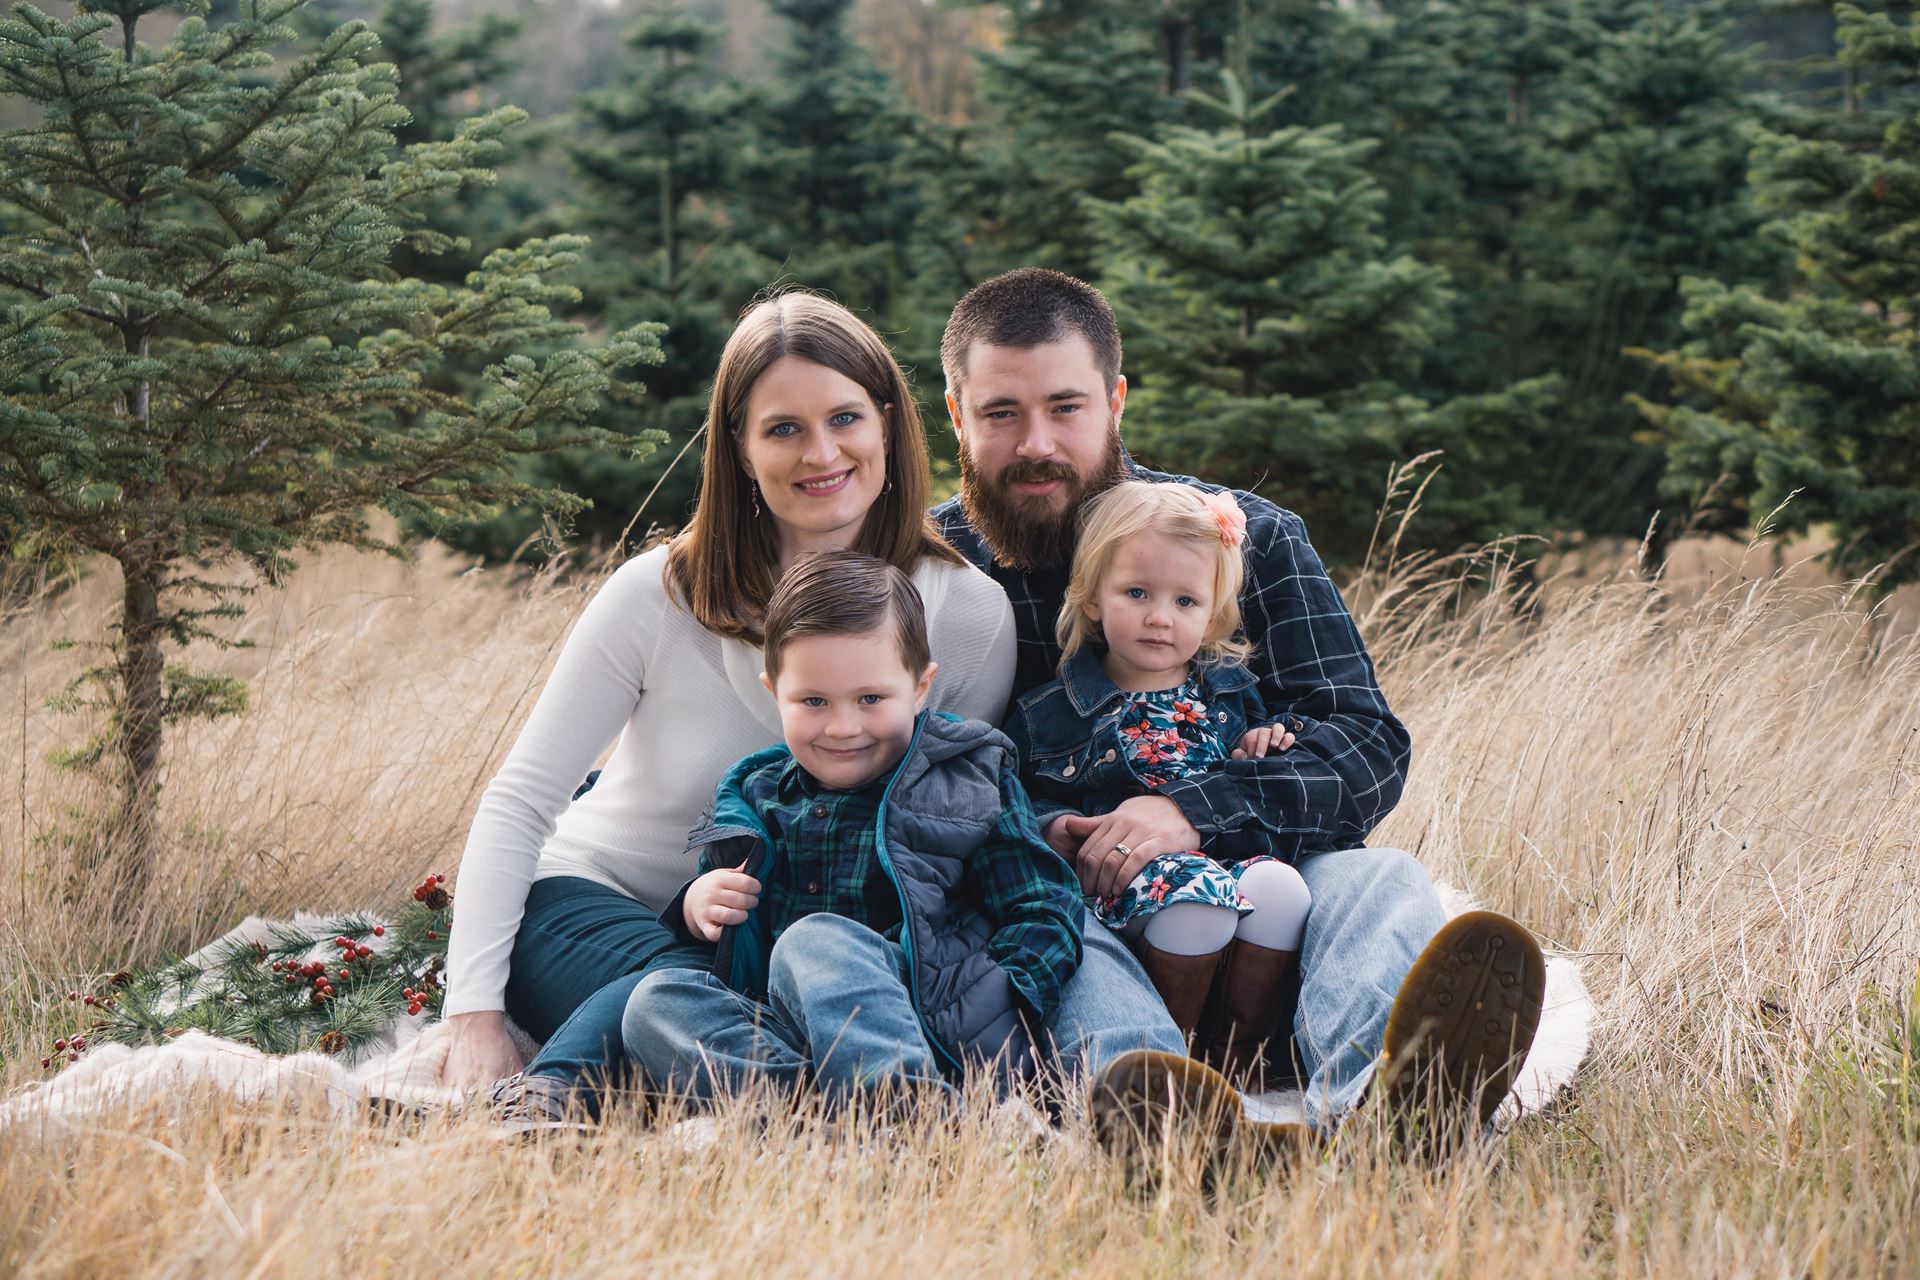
(827, 860)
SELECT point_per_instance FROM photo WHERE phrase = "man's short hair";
(846, 593)
(1024, 309)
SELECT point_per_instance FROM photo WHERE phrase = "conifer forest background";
(345, 347)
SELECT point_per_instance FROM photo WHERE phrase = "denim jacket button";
(1109, 757)
(1068, 772)
(1219, 715)
(819, 811)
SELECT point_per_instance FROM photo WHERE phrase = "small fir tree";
(207, 353)
(1273, 338)
(1816, 396)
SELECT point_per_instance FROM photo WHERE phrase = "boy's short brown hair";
(1026, 308)
(845, 593)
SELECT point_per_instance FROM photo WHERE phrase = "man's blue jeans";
(837, 1017)
(1374, 910)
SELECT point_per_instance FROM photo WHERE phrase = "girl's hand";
(1255, 743)
(482, 1050)
(718, 899)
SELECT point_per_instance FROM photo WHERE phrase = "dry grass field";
(1709, 790)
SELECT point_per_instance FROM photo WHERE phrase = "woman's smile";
(831, 483)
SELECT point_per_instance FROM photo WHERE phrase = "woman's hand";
(482, 1050)
(718, 899)
(1255, 743)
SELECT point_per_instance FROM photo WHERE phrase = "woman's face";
(817, 446)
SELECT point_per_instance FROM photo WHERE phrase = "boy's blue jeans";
(837, 1017)
(583, 948)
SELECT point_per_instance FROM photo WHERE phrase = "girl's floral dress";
(1169, 735)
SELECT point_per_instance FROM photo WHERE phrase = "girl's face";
(1155, 604)
(817, 446)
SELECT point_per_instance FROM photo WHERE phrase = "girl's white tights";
(1279, 919)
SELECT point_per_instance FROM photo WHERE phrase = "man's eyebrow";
(781, 415)
(1007, 402)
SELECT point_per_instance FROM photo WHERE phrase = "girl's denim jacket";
(1073, 757)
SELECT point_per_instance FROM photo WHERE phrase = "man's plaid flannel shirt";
(1345, 772)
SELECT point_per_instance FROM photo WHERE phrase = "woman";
(812, 442)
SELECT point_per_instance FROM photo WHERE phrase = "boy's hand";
(718, 899)
(1255, 743)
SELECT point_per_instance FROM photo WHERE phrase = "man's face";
(1038, 437)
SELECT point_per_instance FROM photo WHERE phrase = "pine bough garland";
(333, 989)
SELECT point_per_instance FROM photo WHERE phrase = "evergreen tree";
(206, 353)
(1816, 396)
(824, 191)
(1568, 162)
(1072, 74)
(657, 172)
(1273, 339)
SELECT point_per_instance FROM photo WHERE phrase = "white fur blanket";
(403, 1064)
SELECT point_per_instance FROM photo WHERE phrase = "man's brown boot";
(1460, 1026)
(1183, 983)
(1243, 1015)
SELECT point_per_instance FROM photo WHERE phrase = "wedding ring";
(1123, 850)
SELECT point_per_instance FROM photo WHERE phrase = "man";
(1395, 1000)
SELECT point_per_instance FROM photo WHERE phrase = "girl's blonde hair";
(1177, 511)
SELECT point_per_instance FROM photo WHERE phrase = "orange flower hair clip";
(1233, 521)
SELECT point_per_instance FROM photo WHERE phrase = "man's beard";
(1024, 533)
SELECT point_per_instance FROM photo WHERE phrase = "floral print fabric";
(1169, 735)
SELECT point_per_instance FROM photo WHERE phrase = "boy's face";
(847, 705)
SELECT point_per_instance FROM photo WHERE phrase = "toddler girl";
(1152, 688)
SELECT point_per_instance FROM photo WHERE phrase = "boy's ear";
(925, 687)
(768, 683)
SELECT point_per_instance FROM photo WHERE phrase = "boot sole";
(1466, 1015)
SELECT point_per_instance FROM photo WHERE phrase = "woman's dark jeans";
(581, 950)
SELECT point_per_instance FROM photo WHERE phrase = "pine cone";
(332, 1042)
(437, 899)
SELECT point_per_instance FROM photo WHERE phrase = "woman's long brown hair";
(723, 565)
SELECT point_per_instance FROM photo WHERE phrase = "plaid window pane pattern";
(1346, 771)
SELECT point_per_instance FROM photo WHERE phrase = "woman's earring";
(753, 487)
(888, 487)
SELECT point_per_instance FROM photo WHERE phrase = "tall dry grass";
(1708, 790)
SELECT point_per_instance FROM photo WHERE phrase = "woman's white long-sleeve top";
(684, 704)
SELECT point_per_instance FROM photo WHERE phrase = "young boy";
(884, 909)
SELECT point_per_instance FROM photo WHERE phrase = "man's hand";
(1148, 826)
(482, 1050)
(1255, 743)
(718, 899)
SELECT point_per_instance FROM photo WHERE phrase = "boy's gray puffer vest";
(940, 804)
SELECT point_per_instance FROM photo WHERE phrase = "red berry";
(346, 973)
(79, 1042)
(379, 931)
(46, 1062)
(89, 1002)
(432, 935)
(292, 981)
(59, 1046)
(73, 1057)
(73, 995)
